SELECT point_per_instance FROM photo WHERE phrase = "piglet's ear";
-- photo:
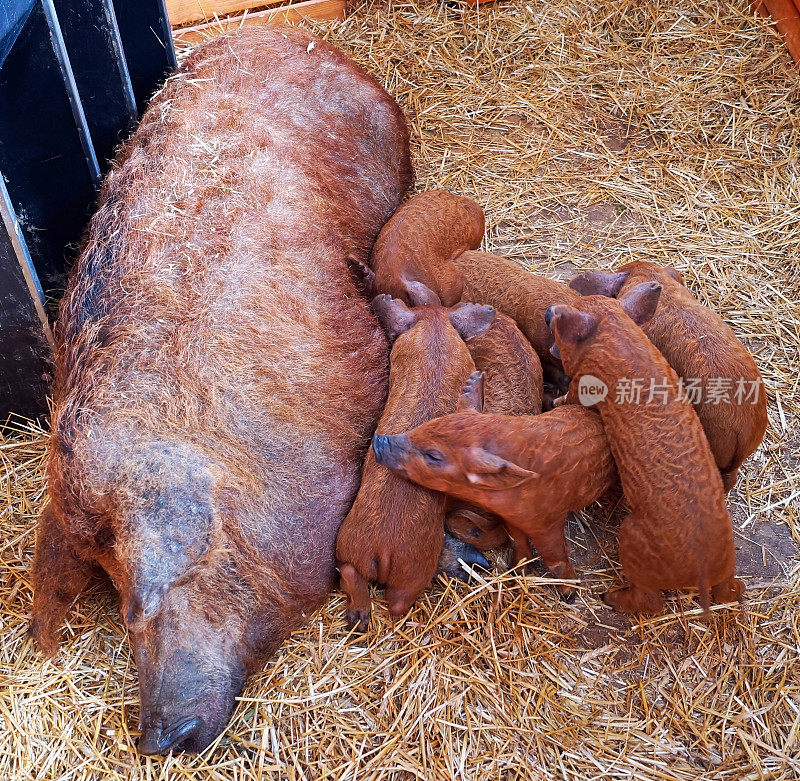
(421, 295)
(571, 325)
(675, 274)
(640, 303)
(395, 317)
(471, 399)
(471, 319)
(486, 470)
(599, 283)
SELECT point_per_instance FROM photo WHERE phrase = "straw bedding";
(592, 133)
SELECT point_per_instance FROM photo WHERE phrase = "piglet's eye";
(433, 456)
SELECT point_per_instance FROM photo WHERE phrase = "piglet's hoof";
(449, 563)
(358, 621)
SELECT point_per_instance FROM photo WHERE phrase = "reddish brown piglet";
(726, 385)
(513, 386)
(678, 534)
(393, 534)
(529, 470)
(509, 288)
(412, 258)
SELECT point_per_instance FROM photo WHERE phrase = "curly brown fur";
(678, 534)
(414, 251)
(699, 345)
(218, 376)
(394, 531)
(509, 288)
(513, 386)
(529, 470)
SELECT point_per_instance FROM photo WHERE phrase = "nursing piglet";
(678, 534)
(509, 288)
(531, 470)
(393, 534)
(513, 386)
(412, 258)
(728, 392)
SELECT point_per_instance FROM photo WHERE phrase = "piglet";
(412, 258)
(531, 470)
(729, 392)
(678, 534)
(393, 534)
(513, 386)
(509, 288)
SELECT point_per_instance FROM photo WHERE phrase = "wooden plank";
(182, 12)
(312, 9)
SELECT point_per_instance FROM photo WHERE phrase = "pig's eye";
(433, 456)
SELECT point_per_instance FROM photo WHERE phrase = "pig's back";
(212, 302)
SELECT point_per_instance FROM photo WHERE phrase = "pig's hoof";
(358, 621)
(453, 553)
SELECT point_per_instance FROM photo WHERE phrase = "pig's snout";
(181, 735)
(390, 451)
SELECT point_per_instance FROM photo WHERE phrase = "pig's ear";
(395, 317)
(421, 295)
(675, 274)
(599, 283)
(571, 325)
(471, 399)
(169, 526)
(640, 303)
(471, 319)
(486, 470)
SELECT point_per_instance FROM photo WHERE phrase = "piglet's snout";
(390, 451)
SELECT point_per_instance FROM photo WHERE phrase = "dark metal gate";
(74, 77)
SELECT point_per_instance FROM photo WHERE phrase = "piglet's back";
(699, 345)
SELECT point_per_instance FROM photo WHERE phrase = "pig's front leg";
(552, 547)
(358, 601)
(58, 576)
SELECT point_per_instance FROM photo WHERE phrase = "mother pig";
(218, 375)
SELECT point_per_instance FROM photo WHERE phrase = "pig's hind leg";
(642, 562)
(631, 599)
(356, 587)
(58, 576)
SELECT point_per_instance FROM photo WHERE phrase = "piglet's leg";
(634, 600)
(730, 590)
(521, 545)
(358, 602)
(58, 576)
(552, 547)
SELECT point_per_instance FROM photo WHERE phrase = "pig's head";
(457, 454)
(186, 606)
(578, 328)
(610, 283)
